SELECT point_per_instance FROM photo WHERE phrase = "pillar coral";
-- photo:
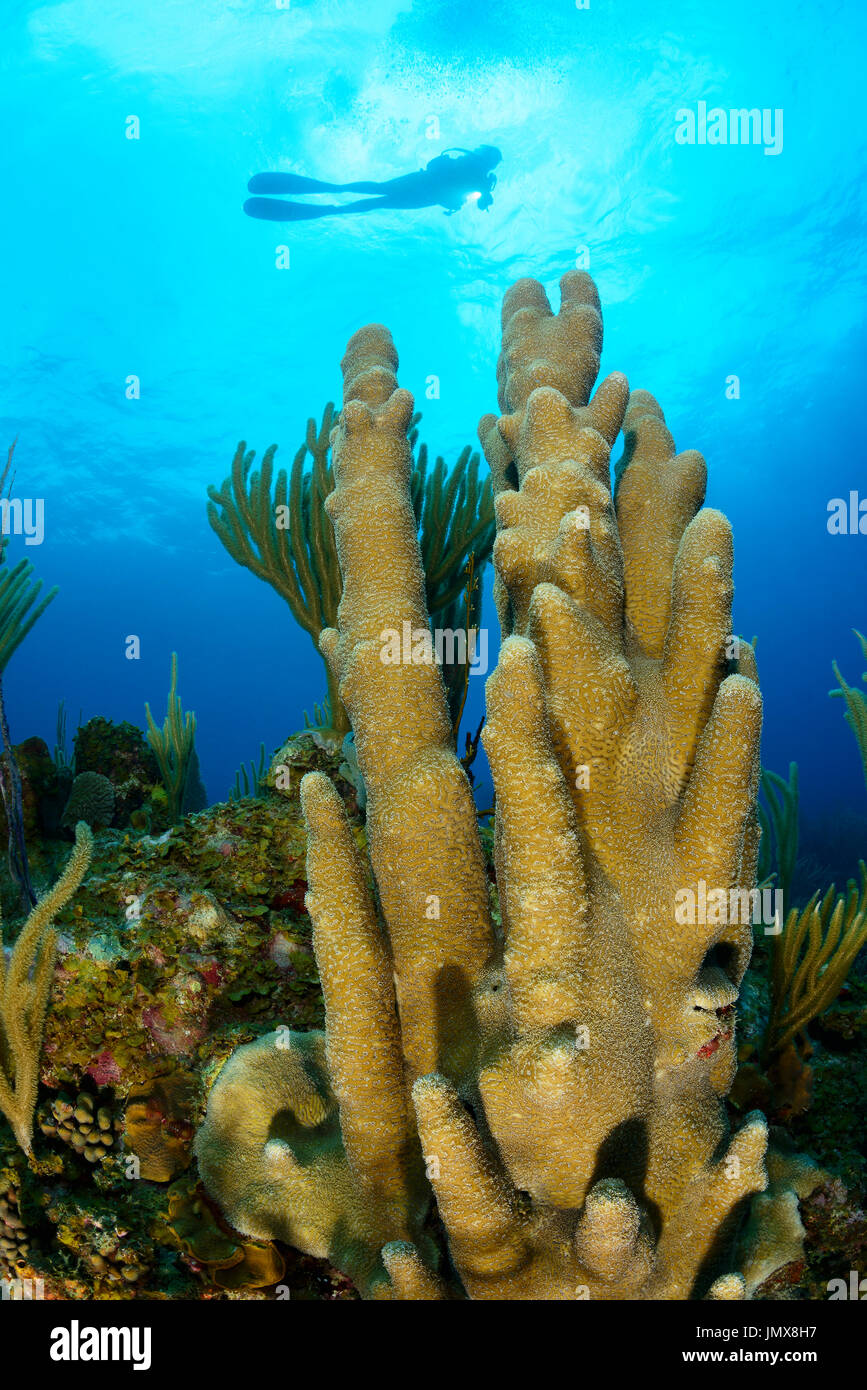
(563, 1077)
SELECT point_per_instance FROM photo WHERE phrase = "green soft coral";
(174, 746)
(856, 704)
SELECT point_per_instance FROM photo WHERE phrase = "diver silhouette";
(444, 182)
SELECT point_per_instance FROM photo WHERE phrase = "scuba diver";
(445, 182)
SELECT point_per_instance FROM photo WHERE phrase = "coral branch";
(174, 746)
(568, 1066)
(278, 528)
(24, 995)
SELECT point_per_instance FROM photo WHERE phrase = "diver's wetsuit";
(444, 182)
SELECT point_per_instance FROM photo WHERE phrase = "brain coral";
(91, 799)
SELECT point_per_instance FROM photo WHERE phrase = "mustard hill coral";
(14, 1236)
(89, 1130)
(565, 1082)
(24, 996)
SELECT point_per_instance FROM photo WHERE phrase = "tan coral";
(272, 1154)
(25, 996)
(230, 1261)
(157, 1130)
(567, 1080)
(414, 779)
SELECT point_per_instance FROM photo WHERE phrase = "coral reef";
(567, 1072)
(18, 593)
(177, 948)
(807, 956)
(314, 750)
(121, 753)
(91, 799)
(522, 1089)
(802, 968)
(278, 528)
(778, 819)
(88, 1129)
(175, 944)
(44, 790)
(812, 957)
(227, 1259)
(101, 1235)
(14, 1236)
(252, 784)
(856, 705)
(115, 777)
(316, 1199)
(158, 1128)
(175, 751)
(24, 997)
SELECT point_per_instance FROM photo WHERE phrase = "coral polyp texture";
(545, 1097)
(25, 992)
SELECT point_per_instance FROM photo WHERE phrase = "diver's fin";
(289, 183)
(276, 210)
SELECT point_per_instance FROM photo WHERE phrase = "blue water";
(132, 257)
